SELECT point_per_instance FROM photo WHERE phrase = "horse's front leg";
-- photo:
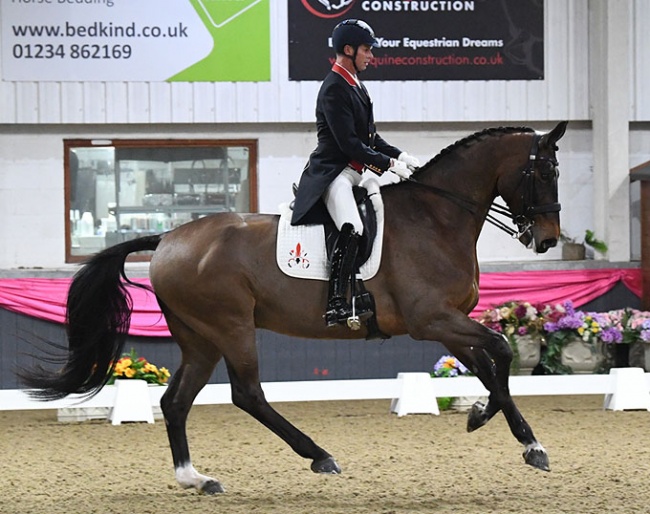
(488, 355)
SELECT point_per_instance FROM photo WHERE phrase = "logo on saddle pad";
(298, 258)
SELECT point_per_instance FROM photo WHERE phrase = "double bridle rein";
(524, 221)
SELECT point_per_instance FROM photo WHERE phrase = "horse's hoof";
(537, 457)
(326, 466)
(476, 417)
(212, 487)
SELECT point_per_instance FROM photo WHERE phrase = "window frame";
(70, 144)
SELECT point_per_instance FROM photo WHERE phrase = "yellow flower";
(150, 368)
(450, 363)
(129, 372)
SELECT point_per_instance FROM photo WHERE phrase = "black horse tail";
(97, 322)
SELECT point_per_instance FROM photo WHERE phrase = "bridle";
(524, 220)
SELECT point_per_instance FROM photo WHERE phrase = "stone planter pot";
(573, 252)
(528, 351)
(639, 356)
(582, 357)
(464, 403)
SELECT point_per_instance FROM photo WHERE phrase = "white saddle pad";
(301, 253)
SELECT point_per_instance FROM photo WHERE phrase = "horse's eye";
(548, 172)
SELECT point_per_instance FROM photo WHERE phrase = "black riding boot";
(343, 257)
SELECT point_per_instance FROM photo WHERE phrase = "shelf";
(146, 209)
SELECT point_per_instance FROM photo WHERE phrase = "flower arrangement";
(559, 324)
(130, 366)
(563, 323)
(627, 326)
(448, 366)
(514, 318)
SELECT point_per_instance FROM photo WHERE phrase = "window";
(122, 189)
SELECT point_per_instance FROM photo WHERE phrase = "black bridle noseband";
(524, 221)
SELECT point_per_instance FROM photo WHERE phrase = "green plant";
(588, 240)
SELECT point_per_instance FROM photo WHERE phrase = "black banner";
(425, 40)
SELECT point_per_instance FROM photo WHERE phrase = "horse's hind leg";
(247, 394)
(199, 360)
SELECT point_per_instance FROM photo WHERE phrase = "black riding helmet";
(354, 33)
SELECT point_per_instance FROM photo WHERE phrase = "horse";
(216, 281)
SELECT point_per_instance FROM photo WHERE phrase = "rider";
(347, 145)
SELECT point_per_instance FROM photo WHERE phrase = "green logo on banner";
(241, 33)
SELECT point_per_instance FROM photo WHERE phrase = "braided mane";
(471, 139)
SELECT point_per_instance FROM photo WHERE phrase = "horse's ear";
(554, 135)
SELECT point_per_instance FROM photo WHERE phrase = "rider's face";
(364, 55)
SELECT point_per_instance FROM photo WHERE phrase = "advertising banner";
(135, 40)
(425, 39)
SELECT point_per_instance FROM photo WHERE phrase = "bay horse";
(216, 281)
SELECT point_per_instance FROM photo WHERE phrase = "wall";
(422, 117)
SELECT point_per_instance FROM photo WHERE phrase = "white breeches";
(340, 202)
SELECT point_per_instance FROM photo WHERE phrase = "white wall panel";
(49, 102)
(138, 100)
(72, 102)
(26, 102)
(640, 61)
(116, 102)
(225, 103)
(94, 102)
(182, 102)
(7, 102)
(160, 94)
(204, 102)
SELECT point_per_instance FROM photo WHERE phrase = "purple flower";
(611, 335)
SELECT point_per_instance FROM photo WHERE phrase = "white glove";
(400, 169)
(413, 163)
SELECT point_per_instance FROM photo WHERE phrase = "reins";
(523, 221)
(468, 205)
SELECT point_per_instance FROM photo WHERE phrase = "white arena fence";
(411, 393)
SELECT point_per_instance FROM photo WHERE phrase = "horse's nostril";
(546, 244)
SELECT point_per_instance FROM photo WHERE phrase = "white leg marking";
(535, 446)
(188, 477)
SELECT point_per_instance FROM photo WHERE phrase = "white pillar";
(609, 84)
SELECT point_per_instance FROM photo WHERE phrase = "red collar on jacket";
(349, 78)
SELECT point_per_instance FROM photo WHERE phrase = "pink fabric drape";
(45, 298)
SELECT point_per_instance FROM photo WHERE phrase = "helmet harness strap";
(353, 57)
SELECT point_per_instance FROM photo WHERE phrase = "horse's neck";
(472, 171)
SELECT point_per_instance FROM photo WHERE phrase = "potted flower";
(574, 250)
(522, 324)
(449, 366)
(132, 367)
(573, 341)
(637, 332)
(616, 338)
